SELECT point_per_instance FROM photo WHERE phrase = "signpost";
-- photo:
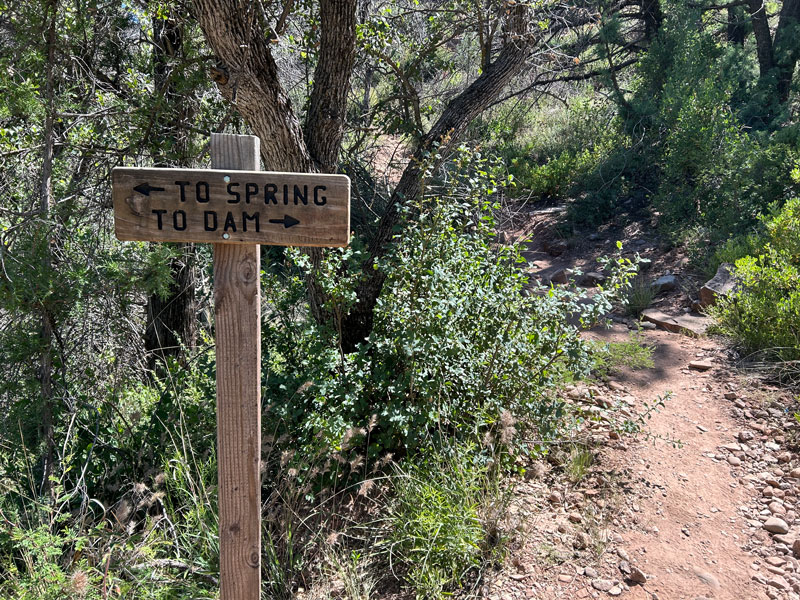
(236, 207)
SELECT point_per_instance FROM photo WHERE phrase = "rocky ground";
(703, 503)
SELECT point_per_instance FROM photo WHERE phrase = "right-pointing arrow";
(286, 220)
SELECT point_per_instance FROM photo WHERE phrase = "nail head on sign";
(225, 236)
(227, 179)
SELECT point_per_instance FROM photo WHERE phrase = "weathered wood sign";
(236, 207)
(224, 206)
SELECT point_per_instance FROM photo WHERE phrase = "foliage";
(455, 342)
(763, 313)
(609, 357)
(437, 533)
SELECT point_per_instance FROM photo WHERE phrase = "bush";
(764, 312)
(455, 341)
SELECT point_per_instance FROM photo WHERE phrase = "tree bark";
(171, 321)
(758, 18)
(736, 31)
(652, 16)
(786, 47)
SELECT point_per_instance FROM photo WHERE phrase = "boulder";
(592, 279)
(665, 283)
(722, 284)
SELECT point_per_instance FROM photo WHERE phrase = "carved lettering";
(158, 212)
(250, 190)
(237, 196)
(319, 200)
(179, 220)
(210, 220)
(230, 223)
(247, 217)
(201, 191)
(183, 185)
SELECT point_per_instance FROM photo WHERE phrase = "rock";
(778, 583)
(796, 548)
(722, 284)
(734, 461)
(689, 324)
(555, 247)
(665, 283)
(730, 396)
(776, 508)
(590, 572)
(581, 541)
(592, 279)
(701, 365)
(776, 525)
(785, 457)
(615, 591)
(745, 436)
(576, 517)
(602, 585)
(559, 276)
(565, 578)
(637, 575)
(794, 474)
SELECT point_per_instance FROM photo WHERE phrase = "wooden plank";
(237, 309)
(231, 206)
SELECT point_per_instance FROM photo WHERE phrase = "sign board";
(231, 206)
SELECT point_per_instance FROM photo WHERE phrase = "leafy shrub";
(764, 312)
(455, 341)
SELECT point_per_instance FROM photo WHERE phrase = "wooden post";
(237, 309)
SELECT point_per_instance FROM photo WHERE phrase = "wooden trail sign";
(228, 205)
(236, 207)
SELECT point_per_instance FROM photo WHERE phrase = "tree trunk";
(786, 48)
(247, 75)
(171, 321)
(758, 17)
(652, 16)
(736, 30)
(459, 113)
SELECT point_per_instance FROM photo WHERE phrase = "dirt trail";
(689, 538)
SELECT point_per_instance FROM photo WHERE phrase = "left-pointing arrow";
(146, 188)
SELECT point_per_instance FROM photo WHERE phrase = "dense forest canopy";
(443, 114)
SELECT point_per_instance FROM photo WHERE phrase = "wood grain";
(231, 206)
(237, 309)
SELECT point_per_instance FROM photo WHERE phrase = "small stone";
(615, 591)
(559, 276)
(779, 583)
(776, 508)
(590, 572)
(564, 578)
(794, 474)
(602, 585)
(796, 548)
(734, 461)
(701, 365)
(637, 575)
(745, 436)
(776, 525)
(554, 497)
(785, 457)
(730, 396)
(665, 283)
(576, 518)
